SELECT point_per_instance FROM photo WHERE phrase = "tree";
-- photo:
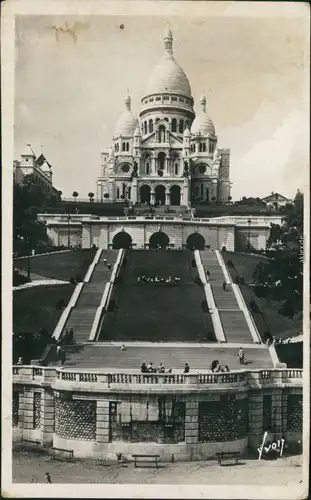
(30, 199)
(91, 196)
(281, 278)
(106, 196)
(75, 195)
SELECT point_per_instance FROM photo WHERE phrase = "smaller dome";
(203, 124)
(127, 122)
(137, 132)
(187, 132)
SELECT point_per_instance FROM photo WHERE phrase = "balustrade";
(50, 374)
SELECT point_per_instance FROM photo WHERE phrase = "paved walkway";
(110, 357)
(284, 472)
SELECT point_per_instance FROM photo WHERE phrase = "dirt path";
(28, 467)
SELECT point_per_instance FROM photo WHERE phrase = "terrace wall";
(191, 416)
(100, 231)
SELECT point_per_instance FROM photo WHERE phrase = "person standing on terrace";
(241, 356)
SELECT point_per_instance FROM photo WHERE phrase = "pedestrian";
(109, 266)
(48, 478)
(150, 367)
(123, 348)
(241, 356)
(224, 286)
(62, 356)
(161, 368)
(227, 369)
(20, 361)
(187, 368)
(144, 368)
(105, 261)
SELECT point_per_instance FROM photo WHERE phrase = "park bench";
(58, 452)
(35, 442)
(231, 455)
(145, 459)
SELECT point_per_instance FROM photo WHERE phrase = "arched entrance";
(159, 239)
(161, 161)
(175, 195)
(145, 193)
(160, 195)
(196, 241)
(122, 240)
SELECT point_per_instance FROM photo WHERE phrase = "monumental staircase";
(83, 313)
(232, 317)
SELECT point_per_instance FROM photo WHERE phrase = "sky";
(70, 93)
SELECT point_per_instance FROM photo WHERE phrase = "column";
(167, 166)
(255, 418)
(185, 193)
(197, 147)
(47, 417)
(192, 421)
(102, 421)
(134, 191)
(152, 198)
(167, 197)
(153, 166)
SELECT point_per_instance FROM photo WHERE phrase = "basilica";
(168, 155)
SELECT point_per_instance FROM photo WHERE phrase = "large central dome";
(167, 76)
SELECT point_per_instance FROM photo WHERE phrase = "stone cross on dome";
(203, 102)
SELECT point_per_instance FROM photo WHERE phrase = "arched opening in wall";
(175, 195)
(145, 193)
(174, 125)
(161, 161)
(181, 126)
(123, 190)
(196, 241)
(129, 192)
(160, 195)
(127, 146)
(123, 146)
(145, 127)
(122, 240)
(150, 126)
(159, 239)
(207, 194)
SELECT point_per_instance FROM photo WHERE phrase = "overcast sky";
(69, 95)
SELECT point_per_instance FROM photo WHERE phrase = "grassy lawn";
(154, 312)
(59, 265)
(269, 319)
(35, 308)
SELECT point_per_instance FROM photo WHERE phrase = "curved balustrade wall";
(192, 416)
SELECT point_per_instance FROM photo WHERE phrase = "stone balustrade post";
(192, 421)
(102, 421)
(47, 416)
(255, 418)
(277, 411)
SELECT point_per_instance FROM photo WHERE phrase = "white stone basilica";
(169, 154)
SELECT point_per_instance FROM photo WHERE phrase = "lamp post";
(249, 234)
(69, 219)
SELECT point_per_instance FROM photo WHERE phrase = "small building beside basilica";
(169, 154)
